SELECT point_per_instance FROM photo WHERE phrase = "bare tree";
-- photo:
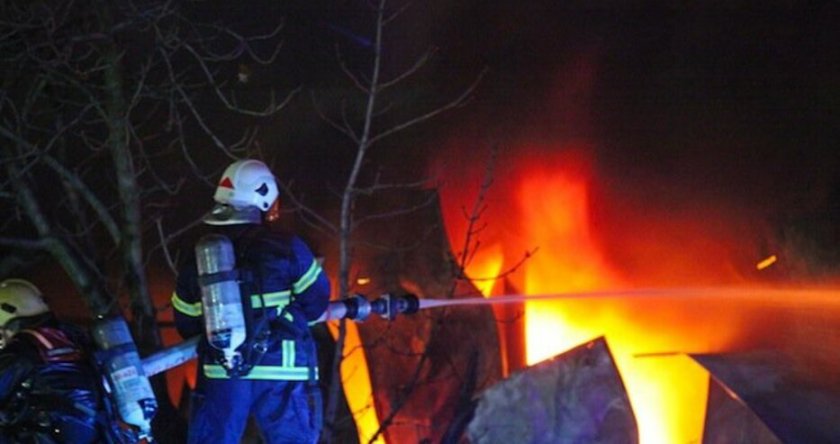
(102, 105)
(370, 123)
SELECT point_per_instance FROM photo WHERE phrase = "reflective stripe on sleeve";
(308, 278)
(264, 372)
(186, 308)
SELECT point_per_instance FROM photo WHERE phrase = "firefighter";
(282, 287)
(49, 388)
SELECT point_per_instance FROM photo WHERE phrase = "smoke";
(646, 226)
(708, 135)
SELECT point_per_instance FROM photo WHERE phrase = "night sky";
(730, 100)
(726, 113)
(731, 104)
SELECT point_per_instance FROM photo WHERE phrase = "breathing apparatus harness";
(238, 333)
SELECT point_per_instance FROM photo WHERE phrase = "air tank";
(224, 320)
(129, 386)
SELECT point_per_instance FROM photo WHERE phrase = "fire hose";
(358, 308)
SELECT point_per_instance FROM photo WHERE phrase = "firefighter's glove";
(292, 321)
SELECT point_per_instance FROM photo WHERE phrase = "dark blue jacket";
(49, 388)
(284, 287)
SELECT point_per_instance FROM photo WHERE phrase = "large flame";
(667, 395)
(545, 204)
(355, 381)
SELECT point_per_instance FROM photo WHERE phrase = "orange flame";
(355, 380)
(668, 395)
(484, 267)
(554, 209)
(766, 262)
(546, 204)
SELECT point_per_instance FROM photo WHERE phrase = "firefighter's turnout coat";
(49, 388)
(283, 288)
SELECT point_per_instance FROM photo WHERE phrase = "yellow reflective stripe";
(186, 308)
(308, 278)
(272, 372)
(288, 353)
(276, 299)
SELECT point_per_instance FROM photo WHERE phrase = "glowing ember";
(766, 263)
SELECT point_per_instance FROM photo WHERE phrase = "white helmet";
(20, 298)
(247, 183)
